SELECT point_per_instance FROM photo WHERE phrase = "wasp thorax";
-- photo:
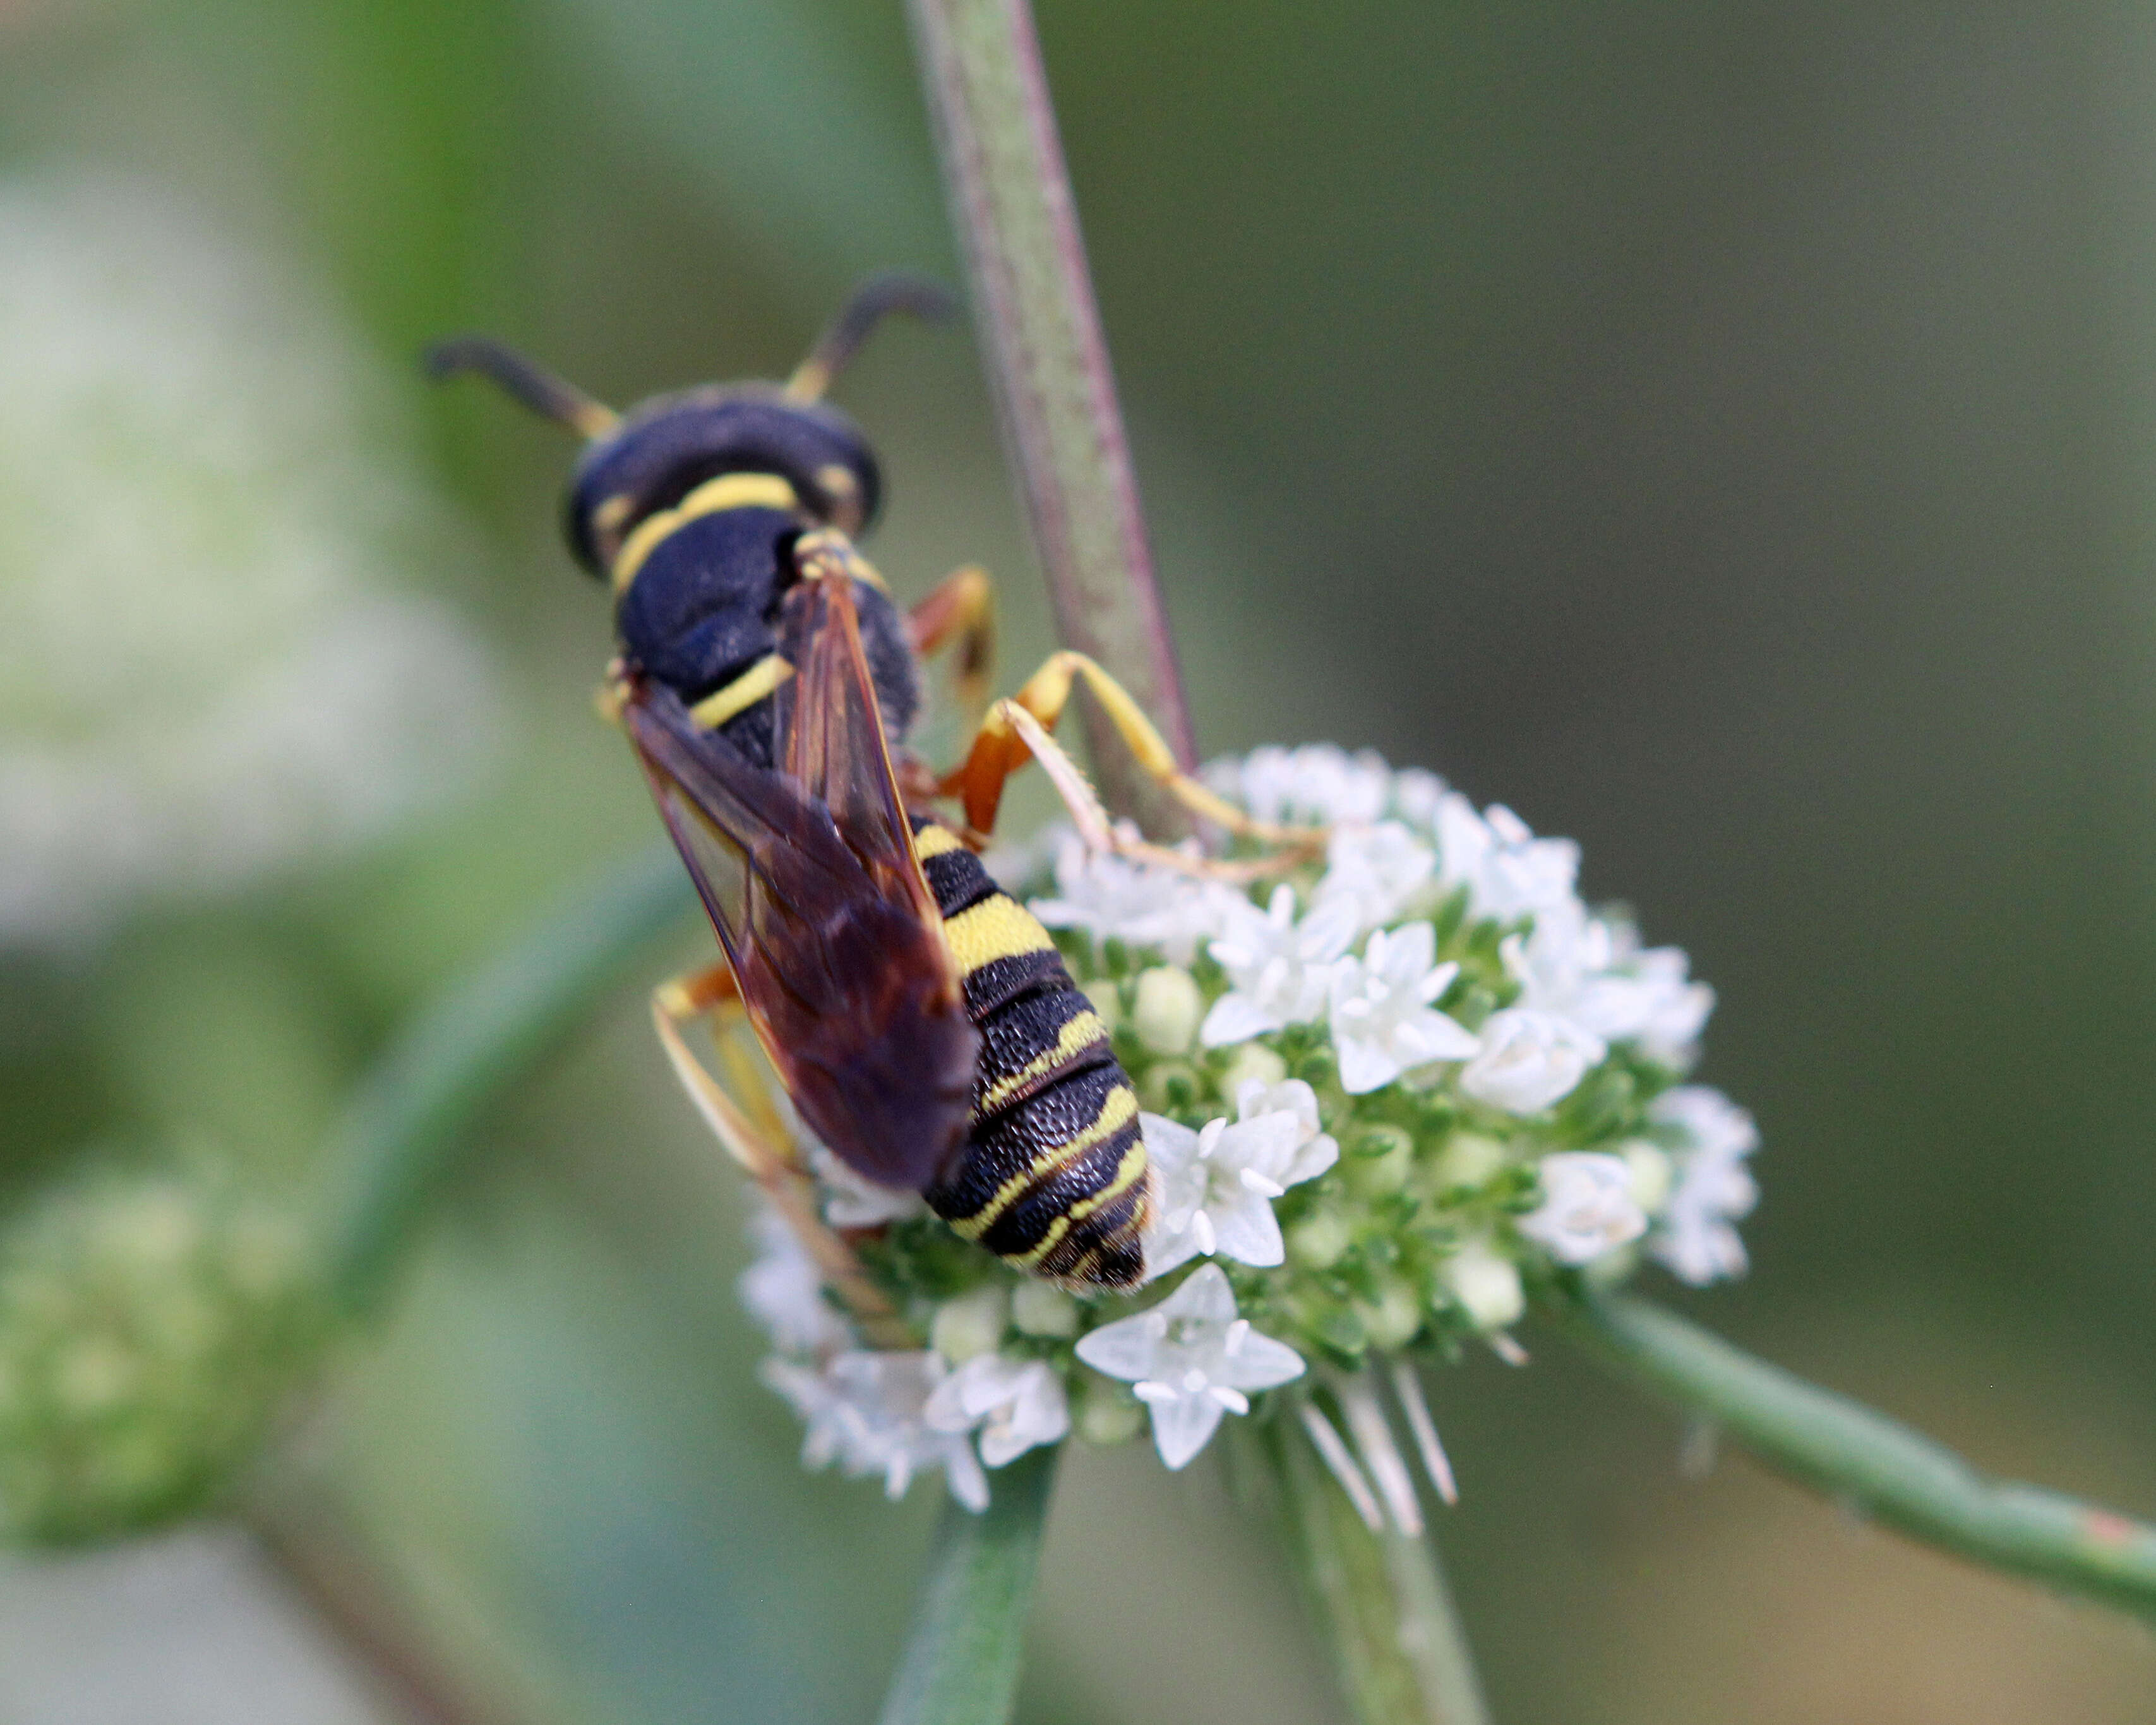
(666, 447)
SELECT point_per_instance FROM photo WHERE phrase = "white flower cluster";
(1387, 1094)
(210, 670)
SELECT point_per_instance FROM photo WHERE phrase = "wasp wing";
(809, 872)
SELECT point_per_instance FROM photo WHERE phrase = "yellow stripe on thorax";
(729, 490)
(1118, 1108)
(998, 927)
(936, 839)
(741, 694)
(1078, 1035)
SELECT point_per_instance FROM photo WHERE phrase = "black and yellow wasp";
(918, 1018)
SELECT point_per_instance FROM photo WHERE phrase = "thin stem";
(1398, 1646)
(1869, 1463)
(1048, 365)
(412, 1115)
(961, 1659)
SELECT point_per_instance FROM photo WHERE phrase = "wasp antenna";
(538, 388)
(891, 290)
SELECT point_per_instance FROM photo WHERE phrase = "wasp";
(919, 1019)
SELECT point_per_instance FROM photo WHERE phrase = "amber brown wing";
(808, 873)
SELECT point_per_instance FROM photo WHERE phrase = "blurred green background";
(1723, 434)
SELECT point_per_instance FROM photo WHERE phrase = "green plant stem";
(1870, 1464)
(1048, 365)
(412, 1115)
(1398, 1646)
(961, 1663)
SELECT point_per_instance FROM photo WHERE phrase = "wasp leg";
(1098, 832)
(962, 609)
(1002, 747)
(755, 1135)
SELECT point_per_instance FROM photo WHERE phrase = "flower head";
(1192, 1360)
(1395, 1085)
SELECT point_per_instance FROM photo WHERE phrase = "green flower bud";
(151, 1328)
(1392, 1320)
(1649, 1165)
(1380, 1159)
(1486, 1284)
(1107, 1413)
(1039, 1310)
(1251, 1060)
(1166, 1008)
(1468, 1159)
(1170, 1085)
(970, 1325)
(1319, 1241)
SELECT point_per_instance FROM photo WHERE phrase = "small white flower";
(1714, 1188)
(1664, 1010)
(1382, 1021)
(1587, 1207)
(868, 1412)
(1278, 969)
(1508, 872)
(1416, 794)
(1111, 897)
(1530, 1059)
(853, 1201)
(1592, 970)
(1217, 1186)
(1192, 1361)
(785, 1291)
(1379, 870)
(1315, 1151)
(1017, 1404)
(1319, 784)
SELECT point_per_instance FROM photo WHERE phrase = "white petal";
(963, 1473)
(1246, 1231)
(1128, 1347)
(1236, 1017)
(1182, 1426)
(1205, 1298)
(1258, 1364)
(1364, 1066)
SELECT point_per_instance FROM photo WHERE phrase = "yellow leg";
(1002, 745)
(1099, 833)
(962, 609)
(755, 1135)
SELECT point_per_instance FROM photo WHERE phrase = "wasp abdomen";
(1053, 1174)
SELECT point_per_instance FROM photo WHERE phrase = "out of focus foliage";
(1722, 435)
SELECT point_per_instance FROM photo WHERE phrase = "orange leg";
(755, 1133)
(1016, 729)
(961, 608)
